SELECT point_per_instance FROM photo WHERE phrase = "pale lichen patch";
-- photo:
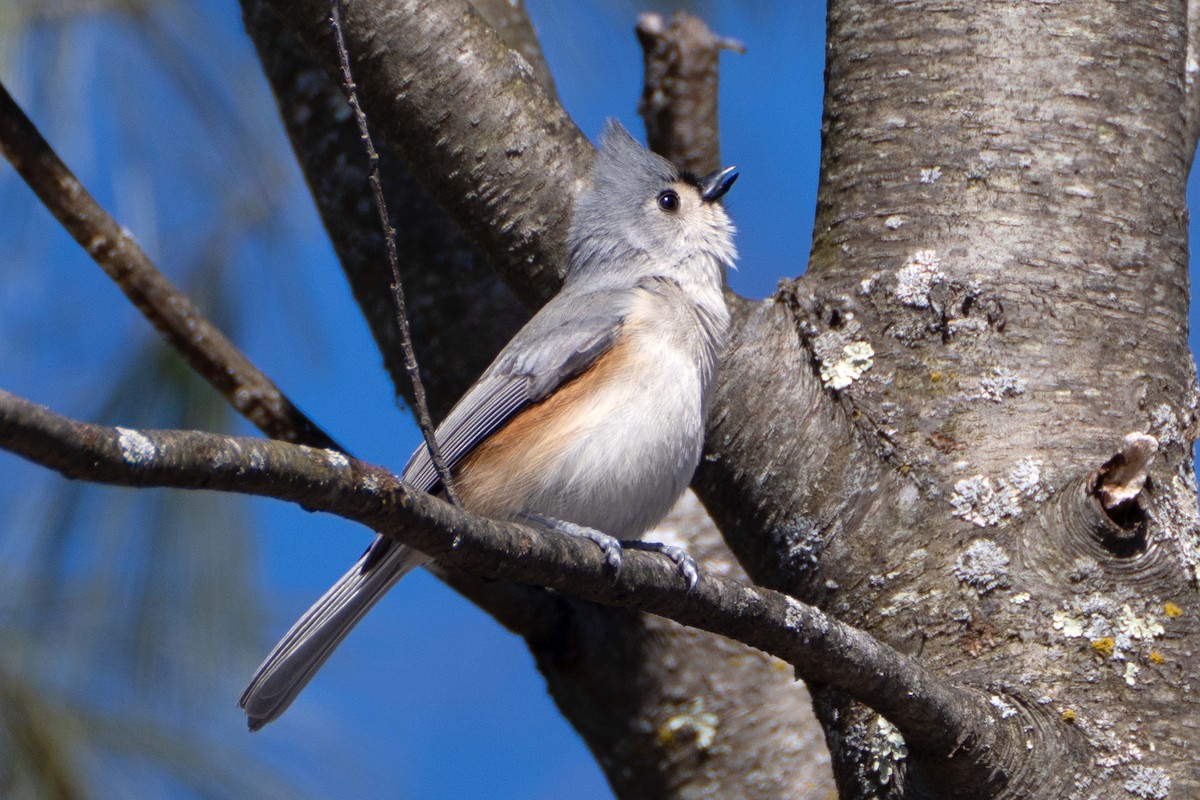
(1114, 632)
(931, 174)
(979, 501)
(1001, 383)
(1068, 622)
(898, 602)
(1131, 673)
(984, 566)
(694, 724)
(1026, 480)
(793, 616)
(1135, 627)
(337, 460)
(1149, 782)
(371, 482)
(917, 277)
(136, 447)
(1165, 422)
(1005, 708)
(887, 748)
(855, 359)
(984, 502)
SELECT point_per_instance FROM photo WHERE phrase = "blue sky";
(428, 698)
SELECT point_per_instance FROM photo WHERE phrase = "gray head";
(641, 216)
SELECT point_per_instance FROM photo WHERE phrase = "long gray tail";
(302, 651)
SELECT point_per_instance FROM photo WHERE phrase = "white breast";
(631, 447)
(615, 447)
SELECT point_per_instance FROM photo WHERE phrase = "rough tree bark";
(928, 435)
(1001, 219)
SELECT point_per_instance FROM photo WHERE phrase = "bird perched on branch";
(591, 420)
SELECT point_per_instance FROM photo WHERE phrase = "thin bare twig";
(420, 405)
(172, 313)
(935, 717)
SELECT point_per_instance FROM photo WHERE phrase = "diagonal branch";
(201, 344)
(936, 718)
(465, 313)
(471, 121)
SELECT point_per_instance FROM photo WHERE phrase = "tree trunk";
(1001, 220)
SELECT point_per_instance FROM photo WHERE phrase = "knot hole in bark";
(1118, 492)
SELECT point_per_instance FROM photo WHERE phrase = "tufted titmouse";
(591, 420)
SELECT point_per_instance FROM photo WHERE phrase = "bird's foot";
(609, 545)
(685, 564)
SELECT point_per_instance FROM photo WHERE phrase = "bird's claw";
(685, 564)
(613, 548)
(609, 545)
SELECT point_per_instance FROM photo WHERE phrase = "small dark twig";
(168, 309)
(389, 235)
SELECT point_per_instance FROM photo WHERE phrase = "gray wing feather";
(492, 401)
(553, 347)
(558, 343)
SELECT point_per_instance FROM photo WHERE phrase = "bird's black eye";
(668, 200)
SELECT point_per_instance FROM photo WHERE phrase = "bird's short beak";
(714, 185)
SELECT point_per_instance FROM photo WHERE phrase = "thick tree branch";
(470, 119)
(463, 313)
(679, 93)
(935, 717)
(201, 344)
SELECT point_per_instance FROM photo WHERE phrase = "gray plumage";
(644, 281)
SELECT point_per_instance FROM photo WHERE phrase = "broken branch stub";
(1119, 483)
